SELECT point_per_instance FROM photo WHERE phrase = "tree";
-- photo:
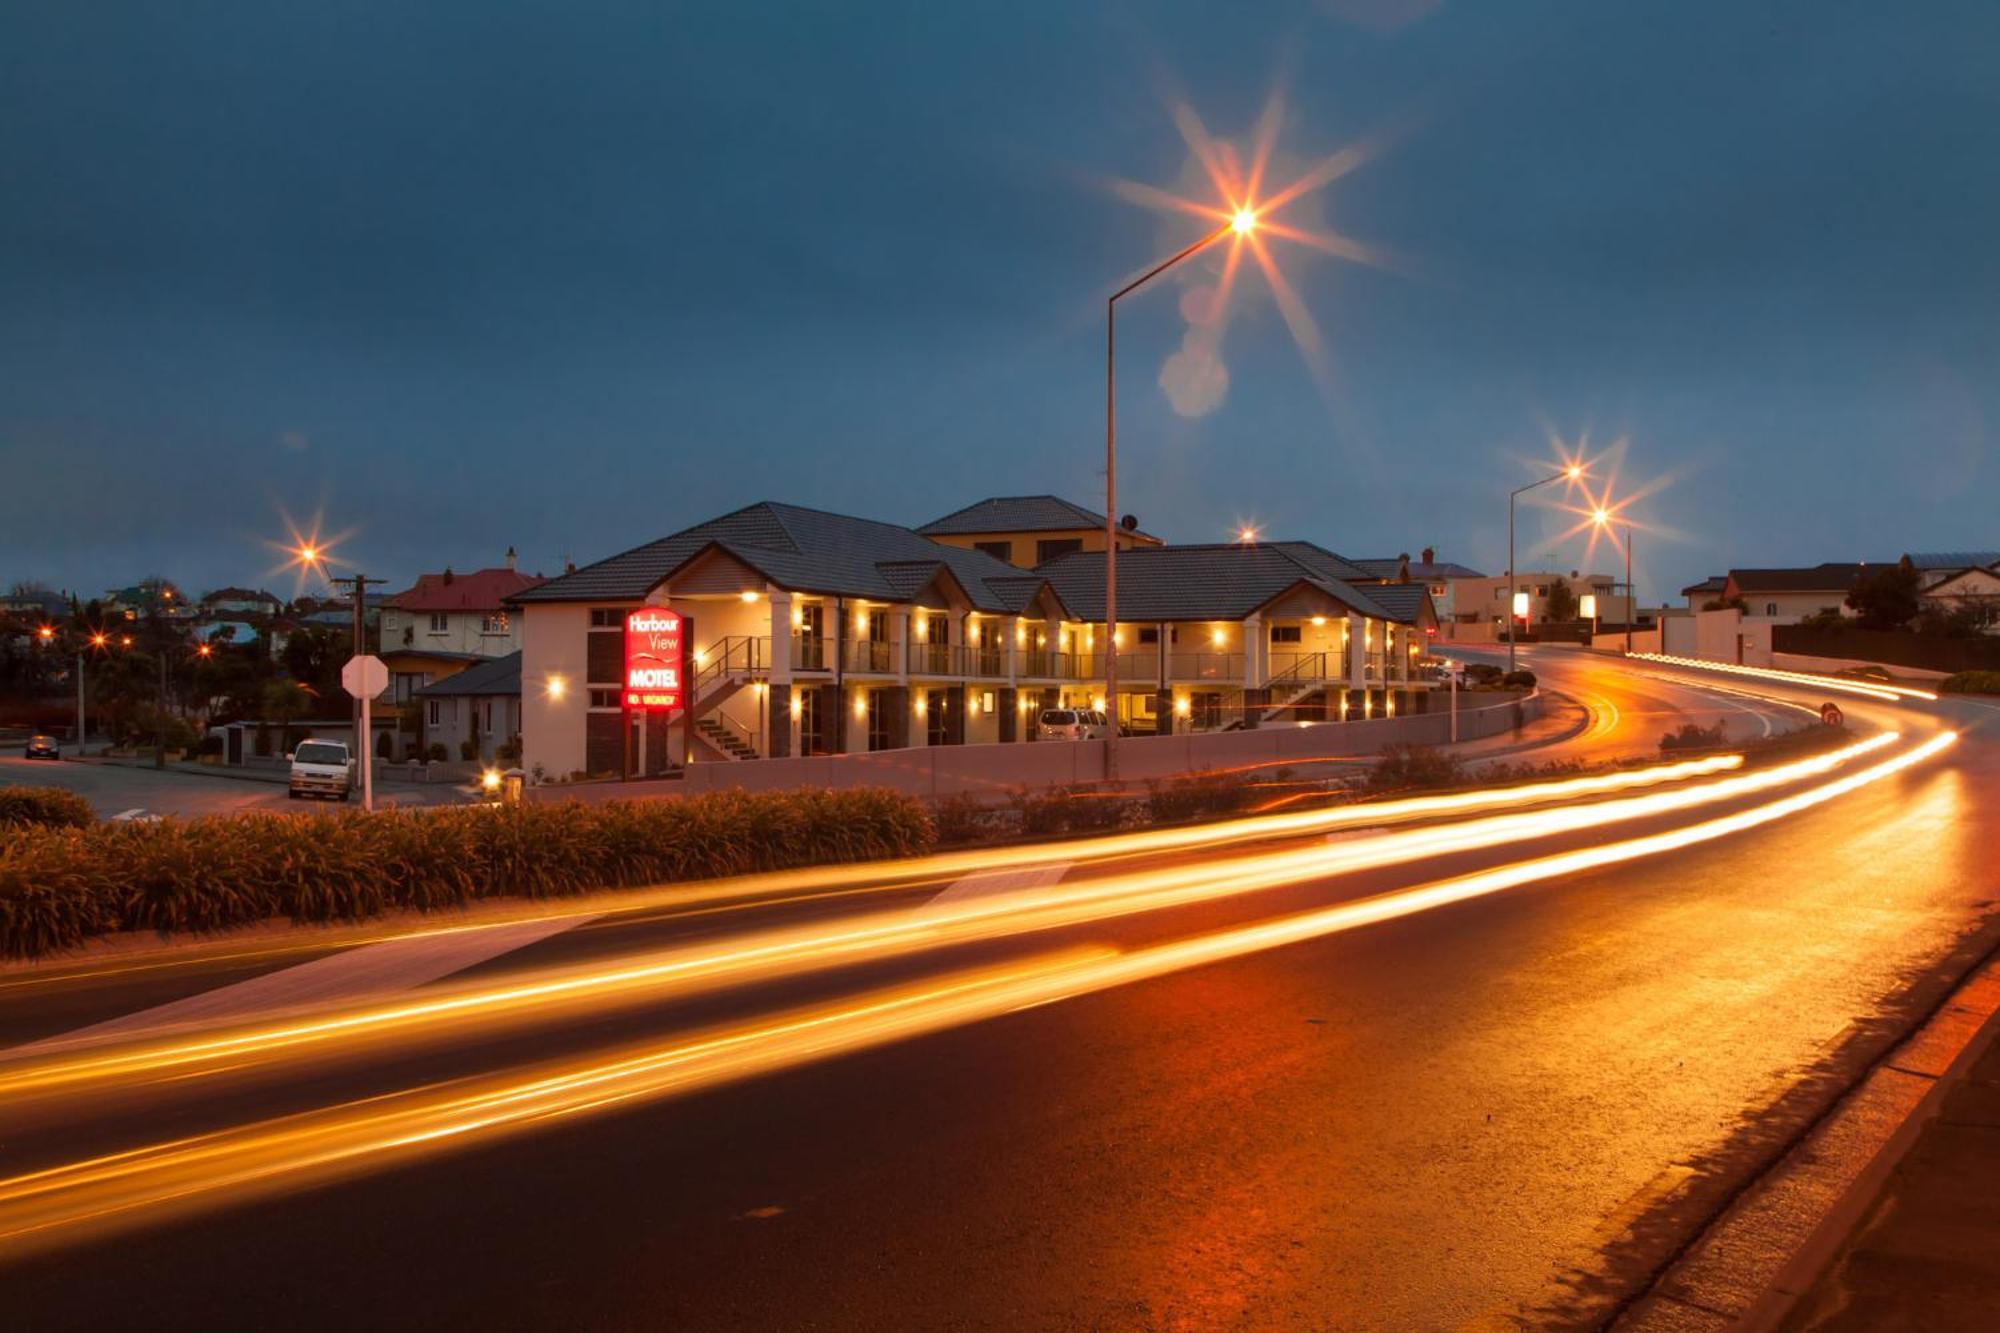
(1561, 602)
(1886, 598)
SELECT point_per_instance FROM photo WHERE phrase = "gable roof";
(1978, 574)
(1214, 582)
(1438, 571)
(481, 590)
(1014, 513)
(1954, 560)
(1713, 583)
(805, 550)
(495, 675)
(233, 594)
(1831, 576)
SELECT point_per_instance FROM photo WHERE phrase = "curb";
(1823, 1246)
(1743, 1228)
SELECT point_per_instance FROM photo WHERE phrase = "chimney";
(1430, 555)
(1403, 568)
(447, 576)
(510, 560)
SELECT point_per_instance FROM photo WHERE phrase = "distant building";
(225, 603)
(1934, 567)
(1437, 576)
(1974, 591)
(1708, 590)
(1029, 530)
(481, 704)
(458, 613)
(1793, 593)
(1480, 608)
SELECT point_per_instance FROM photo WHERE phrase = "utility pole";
(364, 749)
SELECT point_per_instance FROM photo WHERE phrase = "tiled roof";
(481, 590)
(1953, 559)
(1713, 583)
(240, 595)
(1212, 582)
(1438, 571)
(1832, 576)
(495, 675)
(1323, 562)
(1014, 513)
(806, 550)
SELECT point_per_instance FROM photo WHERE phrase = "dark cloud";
(568, 276)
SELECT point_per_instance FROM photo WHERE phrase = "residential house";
(478, 707)
(1792, 593)
(1439, 577)
(457, 613)
(1708, 590)
(824, 633)
(1029, 530)
(1935, 567)
(1974, 591)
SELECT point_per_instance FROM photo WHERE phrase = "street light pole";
(1241, 224)
(1570, 473)
(1631, 593)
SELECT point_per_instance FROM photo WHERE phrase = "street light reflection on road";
(61, 1203)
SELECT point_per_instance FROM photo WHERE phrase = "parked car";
(321, 768)
(1071, 724)
(42, 747)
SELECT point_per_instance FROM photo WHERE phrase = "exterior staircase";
(1297, 683)
(724, 741)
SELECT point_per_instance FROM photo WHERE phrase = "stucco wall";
(552, 648)
(997, 769)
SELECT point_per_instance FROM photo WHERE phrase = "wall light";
(748, 596)
(1319, 620)
(1097, 703)
(798, 618)
(1217, 635)
(1182, 708)
(861, 705)
(557, 688)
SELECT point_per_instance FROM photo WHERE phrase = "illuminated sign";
(656, 659)
(1588, 606)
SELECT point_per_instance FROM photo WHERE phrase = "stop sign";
(364, 677)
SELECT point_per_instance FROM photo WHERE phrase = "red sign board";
(656, 659)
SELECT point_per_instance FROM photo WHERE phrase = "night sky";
(570, 276)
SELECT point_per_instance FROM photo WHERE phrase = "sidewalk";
(1927, 1253)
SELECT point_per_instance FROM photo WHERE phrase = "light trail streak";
(1872, 689)
(47, 1206)
(767, 955)
(820, 882)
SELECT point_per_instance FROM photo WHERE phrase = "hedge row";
(60, 886)
(1971, 682)
(46, 807)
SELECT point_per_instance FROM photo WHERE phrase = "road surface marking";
(352, 974)
(988, 883)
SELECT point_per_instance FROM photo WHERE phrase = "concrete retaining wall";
(998, 769)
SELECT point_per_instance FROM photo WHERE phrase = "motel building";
(802, 632)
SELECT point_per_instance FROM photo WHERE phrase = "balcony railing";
(1205, 666)
(738, 655)
(810, 653)
(877, 655)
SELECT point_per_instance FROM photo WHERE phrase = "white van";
(321, 768)
(1071, 724)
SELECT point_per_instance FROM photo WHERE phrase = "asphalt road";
(1494, 1112)
(115, 789)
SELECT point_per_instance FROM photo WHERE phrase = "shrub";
(437, 754)
(209, 745)
(1693, 736)
(1518, 680)
(1483, 673)
(1203, 795)
(1971, 682)
(468, 749)
(965, 818)
(1405, 766)
(61, 885)
(1066, 810)
(44, 807)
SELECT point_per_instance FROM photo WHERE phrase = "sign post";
(364, 677)
(657, 682)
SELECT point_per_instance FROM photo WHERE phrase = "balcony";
(1220, 667)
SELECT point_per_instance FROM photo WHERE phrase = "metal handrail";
(1309, 667)
(739, 654)
(753, 739)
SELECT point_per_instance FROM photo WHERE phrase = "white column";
(1357, 652)
(1256, 653)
